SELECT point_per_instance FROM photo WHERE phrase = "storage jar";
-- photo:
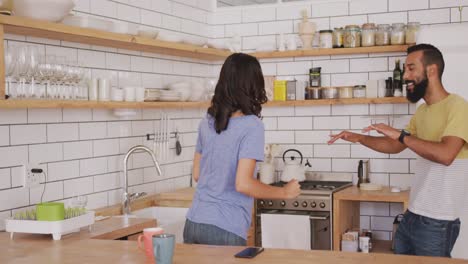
(398, 34)
(326, 37)
(382, 35)
(352, 36)
(337, 38)
(359, 91)
(412, 30)
(345, 92)
(368, 35)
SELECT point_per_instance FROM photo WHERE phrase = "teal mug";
(163, 248)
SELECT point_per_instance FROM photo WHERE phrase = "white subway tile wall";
(82, 149)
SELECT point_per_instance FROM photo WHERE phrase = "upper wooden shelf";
(43, 29)
(325, 52)
(12, 104)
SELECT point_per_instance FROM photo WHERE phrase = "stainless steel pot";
(329, 92)
(313, 92)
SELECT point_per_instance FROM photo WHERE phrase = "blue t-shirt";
(216, 200)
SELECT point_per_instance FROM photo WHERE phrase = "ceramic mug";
(147, 240)
(163, 248)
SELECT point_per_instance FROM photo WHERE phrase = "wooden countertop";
(178, 198)
(353, 193)
(113, 252)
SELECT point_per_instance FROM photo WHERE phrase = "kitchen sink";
(171, 219)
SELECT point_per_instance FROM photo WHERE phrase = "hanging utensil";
(178, 146)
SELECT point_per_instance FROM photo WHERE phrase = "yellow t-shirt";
(448, 117)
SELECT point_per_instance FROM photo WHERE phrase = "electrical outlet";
(30, 178)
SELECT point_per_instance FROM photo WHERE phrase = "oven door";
(319, 227)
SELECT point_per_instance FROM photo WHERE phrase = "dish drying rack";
(55, 228)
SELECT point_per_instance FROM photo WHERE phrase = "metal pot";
(329, 92)
(313, 92)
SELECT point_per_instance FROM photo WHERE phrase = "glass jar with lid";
(382, 35)
(412, 30)
(398, 34)
(337, 38)
(326, 39)
(368, 35)
(352, 36)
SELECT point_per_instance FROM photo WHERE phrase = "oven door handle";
(312, 217)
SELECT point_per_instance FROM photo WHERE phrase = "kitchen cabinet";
(42, 29)
(346, 212)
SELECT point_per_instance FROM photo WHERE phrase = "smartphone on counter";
(249, 252)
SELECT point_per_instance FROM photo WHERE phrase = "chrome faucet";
(129, 197)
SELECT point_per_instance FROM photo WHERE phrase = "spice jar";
(345, 92)
(368, 35)
(326, 37)
(398, 34)
(412, 30)
(337, 38)
(382, 35)
(352, 36)
(359, 91)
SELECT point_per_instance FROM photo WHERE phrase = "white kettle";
(293, 168)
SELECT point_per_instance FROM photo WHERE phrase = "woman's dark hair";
(240, 87)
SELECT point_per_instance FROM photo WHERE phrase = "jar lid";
(413, 24)
(355, 27)
(383, 26)
(316, 69)
(359, 86)
(368, 26)
(340, 28)
(398, 25)
(326, 31)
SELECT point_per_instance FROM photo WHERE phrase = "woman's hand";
(292, 189)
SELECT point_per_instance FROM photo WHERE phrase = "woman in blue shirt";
(230, 141)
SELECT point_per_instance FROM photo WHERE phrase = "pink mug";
(148, 240)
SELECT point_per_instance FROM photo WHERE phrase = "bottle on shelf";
(397, 79)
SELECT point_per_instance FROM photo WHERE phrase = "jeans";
(195, 233)
(424, 236)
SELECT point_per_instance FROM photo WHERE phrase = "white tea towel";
(285, 231)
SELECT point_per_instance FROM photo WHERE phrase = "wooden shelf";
(97, 105)
(43, 29)
(325, 52)
(12, 104)
(383, 100)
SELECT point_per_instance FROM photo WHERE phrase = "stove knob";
(261, 202)
(270, 203)
(304, 204)
(313, 204)
(322, 205)
(296, 204)
(283, 203)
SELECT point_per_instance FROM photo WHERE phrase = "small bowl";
(148, 33)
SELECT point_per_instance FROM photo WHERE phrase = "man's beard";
(419, 90)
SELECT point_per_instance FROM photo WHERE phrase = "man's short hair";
(431, 55)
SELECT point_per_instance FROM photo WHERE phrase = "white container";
(129, 94)
(93, 89)
(139, 94)
(364, 244)
(349, 246)
(49, 10)
(103, 90)
(56, 228)
(371, 88)
(326, 37)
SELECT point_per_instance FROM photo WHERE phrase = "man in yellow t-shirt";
(438, 134)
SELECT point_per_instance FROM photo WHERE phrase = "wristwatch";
(403, 134)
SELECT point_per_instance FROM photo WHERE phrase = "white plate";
(170, 98)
